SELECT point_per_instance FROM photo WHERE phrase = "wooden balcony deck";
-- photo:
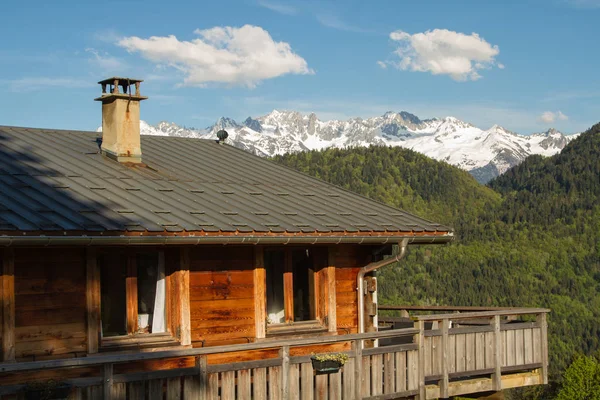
(442, 355)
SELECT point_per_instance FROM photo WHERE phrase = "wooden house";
(167, 267)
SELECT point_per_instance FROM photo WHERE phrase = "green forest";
(530, 238)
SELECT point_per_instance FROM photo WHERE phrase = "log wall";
(50, 303)
(222, 295)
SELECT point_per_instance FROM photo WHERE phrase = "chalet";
(163, 267)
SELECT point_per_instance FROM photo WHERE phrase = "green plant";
(340, 358)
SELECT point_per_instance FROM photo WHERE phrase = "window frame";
(322, 301)
(133, 337)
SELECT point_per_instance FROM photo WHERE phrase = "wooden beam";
(260, 293)
(497, 375)
(331, 294)
(285, 372)
(445, 361)
(420, 339)
(92, 296)
(288, 288)
(131, 290)
(8, 305)
(543, 323)
(184, 297)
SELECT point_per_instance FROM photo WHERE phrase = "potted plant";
(328, 363)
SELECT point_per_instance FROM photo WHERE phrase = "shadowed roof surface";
(53, 180)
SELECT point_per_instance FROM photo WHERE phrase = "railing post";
(107, 383)
(420, 325)
(285, 372)
(497, 375)
(202, 365)
(357, 349)
(445, 380)
(543, 324)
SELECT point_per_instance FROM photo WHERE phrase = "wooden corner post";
(8, 305)
(542, 322)
(260, 293)
(92, 297)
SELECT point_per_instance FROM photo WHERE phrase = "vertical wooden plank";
(470, 351)
(400, 370)
(244, 384)
(213, 387)
(185, 330)
(8, 304)
(436, 355)
(510, 348)
(519, 349)
(285, 372)
(132, 293)
(294, 381)
(366, 376)
(376, 374)
(528, 345)
(358, 373)
(119, 391)
(321, 387)
(288, 288)
(537, 348)
(228, 385)
(389, 373)
(480, 350)
(542, 321)
(107, 382)
(451, 353)
(94, 392)
(412, 370)
(504, 348)
(191, 388)
(260, 293)
(497, 375)
(174, 388)
(428, 344)
(461, 359)
(202, 366)
(420, 325)
(75, 394)
(307, 384)
(444, 359)
(155, 389)
(331, 292)
(348, 380)
(489, 349)
(135, 391)
(335, 386)
(92, 297)
(274, 383)
(259, 386)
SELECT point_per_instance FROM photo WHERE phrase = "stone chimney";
(121, 119)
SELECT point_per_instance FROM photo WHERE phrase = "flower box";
(328, 363)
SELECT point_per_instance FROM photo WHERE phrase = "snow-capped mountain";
(484, 153)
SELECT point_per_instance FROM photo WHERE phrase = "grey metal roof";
(57, 181)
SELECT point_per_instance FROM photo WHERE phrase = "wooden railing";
(440, 356)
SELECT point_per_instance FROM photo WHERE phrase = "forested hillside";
(532, 238)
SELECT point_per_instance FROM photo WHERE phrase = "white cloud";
(278, 7)
(444, 52)
(236, 56)
(382, 64)
(105, 61)
(549, 117)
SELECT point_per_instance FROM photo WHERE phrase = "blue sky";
(526, 65)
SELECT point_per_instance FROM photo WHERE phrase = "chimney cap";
(122, 81)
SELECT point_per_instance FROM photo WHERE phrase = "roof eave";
(37, 241)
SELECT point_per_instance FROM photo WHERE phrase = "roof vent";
(222, 136)
(121, 119)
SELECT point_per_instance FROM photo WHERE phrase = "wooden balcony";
(441, 355)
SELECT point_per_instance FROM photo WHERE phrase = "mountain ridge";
(484, 153)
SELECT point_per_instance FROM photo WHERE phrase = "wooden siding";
(222, 295)
(348, 260)
(50, 302)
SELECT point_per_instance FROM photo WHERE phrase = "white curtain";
(158, 319)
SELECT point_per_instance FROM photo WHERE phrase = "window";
(133, 293)
(290, 285)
